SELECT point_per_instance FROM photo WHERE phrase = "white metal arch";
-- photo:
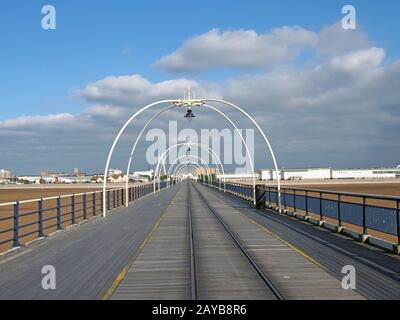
(115, 143)
(182, 144)
(182, 165)
(180, 103)
(188, 156)
(202, 146)
(134, 148)
(265, 139)
(192, 156)
(244, 143)
(161, 158)
(190, 164)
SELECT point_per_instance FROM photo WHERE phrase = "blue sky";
(98, 38)
(42, 71)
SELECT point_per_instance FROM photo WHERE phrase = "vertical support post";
(363, 214)
(306, 195)
(294, 200)
(113, 198)
(122, 197)
(320, 206)
(102, 201)
(59, 225)
(94, 203)
(73, 218)
(16, 226)
(84, 209)
(398, 222)
(40, 218)
(339, 213)
(284, 198)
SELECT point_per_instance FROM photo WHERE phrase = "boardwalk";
(193, 242)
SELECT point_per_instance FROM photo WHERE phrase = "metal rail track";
(193, 290)
(262, 274)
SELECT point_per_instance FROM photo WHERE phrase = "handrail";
(87, 205)
(64, 196)
(344, 193)
(366, 220)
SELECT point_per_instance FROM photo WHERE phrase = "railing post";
(306, 195)
(320, 206)
(284, 198)
(40, 218)
(294, 201)
(84, 206)
(16, 226)
(73, 218)
(398, 225)
(108, 200)
(363, 214)
(122, 197)
(59, 226)
(339, 228)
(94, 203)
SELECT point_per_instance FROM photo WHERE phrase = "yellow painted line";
(110, 291)
(266, 230)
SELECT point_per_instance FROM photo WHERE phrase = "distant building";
(78, 173)
(113, 172)
(328, 173)
(5, 174)
(50, 174)
(238, 176)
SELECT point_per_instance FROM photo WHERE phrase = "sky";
(327, 97)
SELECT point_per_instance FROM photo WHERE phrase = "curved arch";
(181, 144)
(115, 143)
(211, 151)
(265, 139)
(134, 148)
(181, 166)
(201, 160)
(192, 156)
(245, 145)
(187, 156)
(190, 164)
(180, 103)
(157, 170)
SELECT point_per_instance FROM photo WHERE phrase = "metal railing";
(27, 220)
(368, 217)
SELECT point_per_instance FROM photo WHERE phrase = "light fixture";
(189, 114)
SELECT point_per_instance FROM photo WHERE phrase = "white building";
(143, 173)
(5, 174)
(112, 172)
(366, 173)
(328, 173)
(238, 176)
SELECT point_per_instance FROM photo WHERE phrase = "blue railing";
(27, 220)
(368, 216)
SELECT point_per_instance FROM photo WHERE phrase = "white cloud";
(361, 60)
(238, 49)
(340, 110)
(246, 49)
(134, 90)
